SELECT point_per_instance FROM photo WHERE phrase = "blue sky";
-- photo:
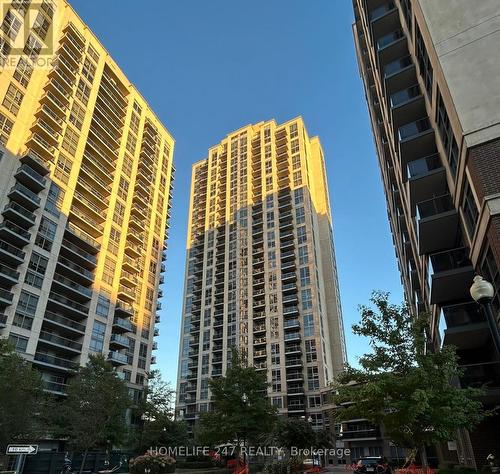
(210, 67)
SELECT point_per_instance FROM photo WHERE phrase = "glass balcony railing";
(397, 66)
(73, 285)
(20, 210)
(32, 173)
(76, 268)
(389, 39)
(379, 12)
(414, 129)
(423, 166)
(462, 314)
(405, 95)
(4, 246)
(55, 361)
(24, 234)
(25, 192)
(450, 260)
(60, 341)
(434, 206)
(63, 321)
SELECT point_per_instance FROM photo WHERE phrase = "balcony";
(74, 271)
(291, 324)
(118, 341)
(438, 224)
(292, 336)
(484, 375)
(122, 325)
(81, 238)
(406, 105)
(8, 276)
(6, 298)
(81, 256)
(399, 75)
(52, 361)
(416, 139)
(56, 388)
(62, 343)
(64, 324)
(87, 223)
(133, 249)
(30, 178)
(294, 376)
(466, 327)
(10, 254)
(36, 162)
(68, 306)
(124, 309)
(288, 288)
(360, 435)
(293, 349)
(126, 293)
(426, 178)
(288, 277)
(14, 234)
(18, 214)
(296, 407)
(24, 196)
(452, 275)
(259, 353)
(293, 362)
(71, 288)
(117, 358)
(391, 46)
(290, 310)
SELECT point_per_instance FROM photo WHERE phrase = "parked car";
(367, 465)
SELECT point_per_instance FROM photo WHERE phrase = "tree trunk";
(82, 466)
(423, 457)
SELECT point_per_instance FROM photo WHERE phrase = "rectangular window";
(308, 325)
(36, 270)
(83, 91)
(276, 380)
(102, 308)
(46, 234)
(424, 62)
(303, 255)
(26, 309)
(300, 215)
(446, 134)
(32, 47)
(11, 25)
(305, 276)
(88, 70)
(5, 128)
(70, 141)
(18, 342)
(23, 72)
(301, 235)
(311, 354)
(41, 25)
(97, 338)
(470, 210)
(12, 100)
(77, 115)
(277, 402)
(306, 298)
(312, 378)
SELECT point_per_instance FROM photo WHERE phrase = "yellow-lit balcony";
(49, 134)
(106, 105)
(89, 206)
(92, 193)
(101, 180)
(116, 125)
(133, 249)
(138, 210)
(42, 147)
(136, 222)
(59, 90)
(112, 141)
(136, 236)
(103, 146)
(48, 114)
(125, 293)
(128, 279)
(130, 264)
(68, 66)
(57, 106)
(105, 155)
(66, 80)
(87, 223)
(74, 38)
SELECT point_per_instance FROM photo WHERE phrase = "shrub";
(194, 464)
(285, 466)
(157, 463)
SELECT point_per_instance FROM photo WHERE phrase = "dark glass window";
(469, 207)
(446, 134)
(423, 62)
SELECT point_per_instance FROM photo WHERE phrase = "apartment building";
(85, 187)
(260, 270)
(430, 71)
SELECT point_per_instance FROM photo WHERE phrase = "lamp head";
(481, 289)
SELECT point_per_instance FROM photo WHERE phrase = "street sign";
(22, 449)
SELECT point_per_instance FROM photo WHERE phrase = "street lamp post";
(482, 292)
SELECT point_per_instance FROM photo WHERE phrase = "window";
(446, 134)
(25, 311)
(11, 25)
(423, 62)
(301, 235)
(277, 402)
(93, 53)
(63, 169)
(18, 342)
(489, 270)
(308, 325)
(311, 354)
(70, 141)
(21, 6)
(303, 255)
(77, 115)
(315, 401)
(276, 380)
(5, 128)
(312, 378)
(143, 354)
(32, 47)
(102, 307)
(12, 100)
(88, 70)
(297, 178)
(83, 91)
(305, 276)
(108, 272)
(41, 25)
(54, 200)
(36, 270)
(469, 207)
(23, 72)
(306, 298)
(407, 14)
(204, 389)
(299, 196)
(46, 234)
(97, 338)
(300, 215)
(4, 50)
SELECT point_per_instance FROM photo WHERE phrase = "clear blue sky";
(210, 67)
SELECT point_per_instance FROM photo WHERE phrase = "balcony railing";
(435, 206)
(424, 166)
(61, 320)
(69, 303)
(397, 66)
(414, 129)
(60, 341)
(56, 361)
(390, 38)
(20, 210)
(450, 259)
(485, 375)
(379, 12)
(462, 314)
(405, 95)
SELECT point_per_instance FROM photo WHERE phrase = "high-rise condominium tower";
(430, 70)
(260, 272)
(85, 181)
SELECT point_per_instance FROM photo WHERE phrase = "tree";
(293, 432)
(21, 397)
(159, 428)
(402, 385)
(93, 415)
(242, 412)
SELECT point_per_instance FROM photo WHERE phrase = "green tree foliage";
(402, 385)
(242, 412)
(93, 414)
(21, 397)
(158, 426)
(293, 432)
